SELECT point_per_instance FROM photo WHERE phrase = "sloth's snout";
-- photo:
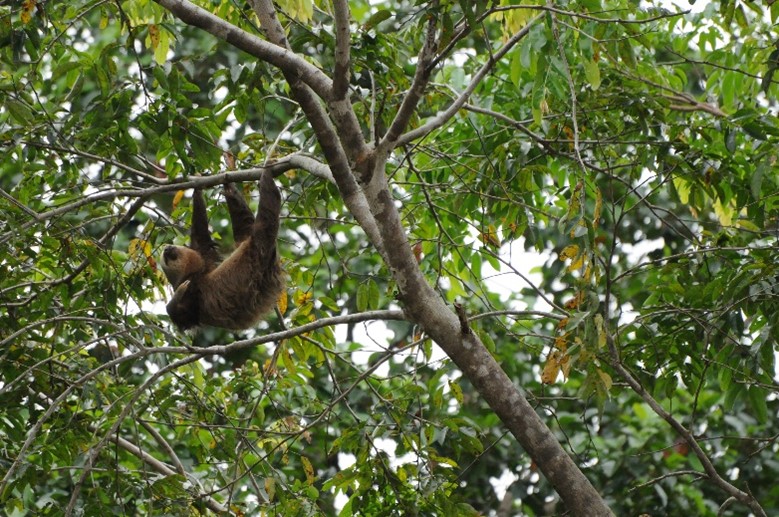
(170, 253)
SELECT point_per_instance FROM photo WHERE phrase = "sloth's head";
(180, 262)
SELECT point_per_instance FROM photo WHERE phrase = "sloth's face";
(178, 262)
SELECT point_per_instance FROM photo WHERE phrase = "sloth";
(234, 293)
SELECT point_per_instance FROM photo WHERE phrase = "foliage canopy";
(628, 151)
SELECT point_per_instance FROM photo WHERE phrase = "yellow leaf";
(490, 236)
(578, 263)
(575, 301)
(565, 365)
(282, 302)
(598, 319)
(598, 207)
(308, 469)
(286, 360)
(177, 198)
(575, 203)
(443, 460)
(551, 368)
(725, 213)
(569, 251)
(587, 273)
(575, 229)
(163, 47)
(302, 298)
(683, 189)
(28, 6)
(515, 20)
(457, 391)
(301, 10)
(605, 378)
(154, 35)
(138, 246)
(270, 488)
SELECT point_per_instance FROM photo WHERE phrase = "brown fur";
(237, 292)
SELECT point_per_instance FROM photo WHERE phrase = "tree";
(421, 148)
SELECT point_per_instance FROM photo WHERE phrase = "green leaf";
(592, 72)
(756, 182)
(363, 297)
(516, 68)
(758, 399)
(20, 111)
(376, 18)
(373, 295)
(734, 394)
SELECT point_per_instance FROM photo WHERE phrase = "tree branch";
(440, 119)
(708, 467)
(295, 161)
(297, 331)
(343, 45)
(417, 90)
(157, 465)
(426, 308)
(335, 150)
(287, 61)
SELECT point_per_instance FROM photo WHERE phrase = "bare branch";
(104, 160)
(584, 16)
(386, 315)
(165, 445)
(694, 473)
(517, 314)
(685, 102)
